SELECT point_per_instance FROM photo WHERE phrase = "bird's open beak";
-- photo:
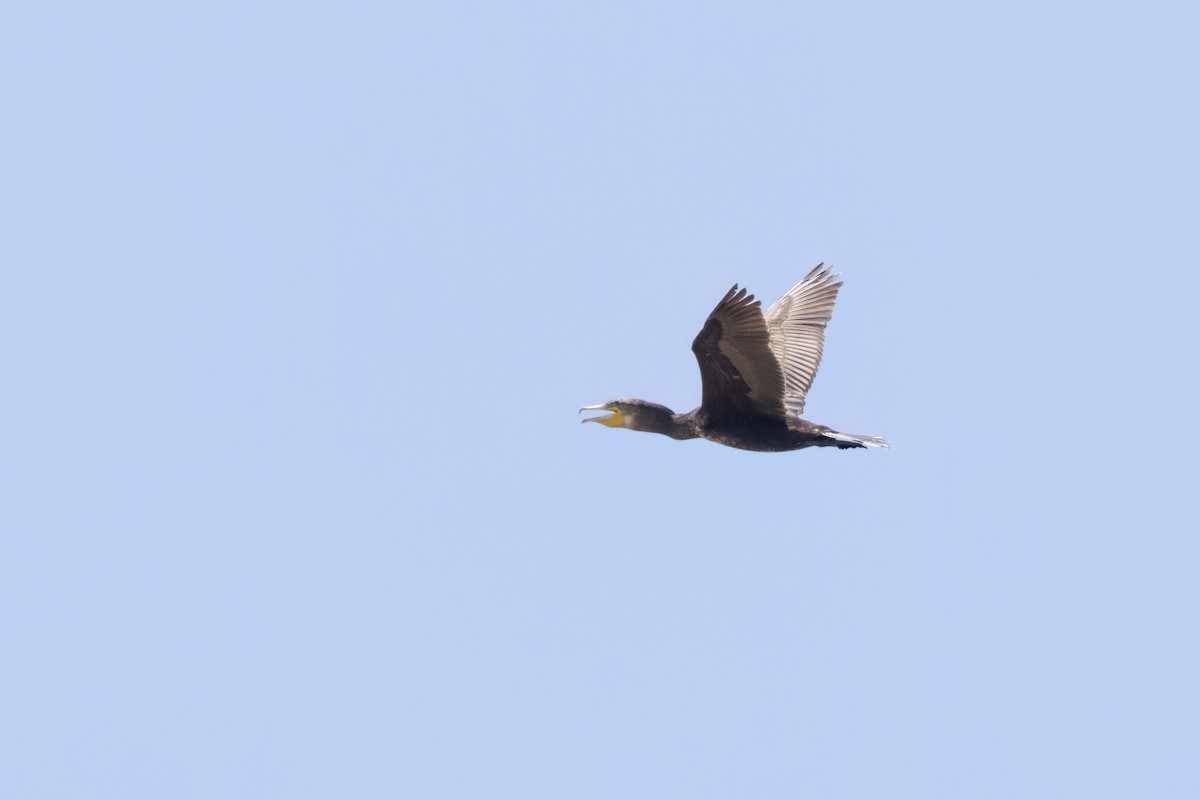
(612, 420)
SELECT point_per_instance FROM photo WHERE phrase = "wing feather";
(738, 368)
(796, 330)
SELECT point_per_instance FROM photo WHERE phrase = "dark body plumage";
(755, 371)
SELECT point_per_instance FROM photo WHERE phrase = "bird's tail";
(845, 440)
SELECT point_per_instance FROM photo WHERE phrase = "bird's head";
(636, 415)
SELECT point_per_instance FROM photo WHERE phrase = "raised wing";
(796, 327)
(738, 369)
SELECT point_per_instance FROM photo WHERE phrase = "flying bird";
(755, 371)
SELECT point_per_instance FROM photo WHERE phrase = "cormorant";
(755, 371)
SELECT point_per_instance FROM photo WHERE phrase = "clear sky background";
(300, 301)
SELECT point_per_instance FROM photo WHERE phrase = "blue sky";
(301, 303)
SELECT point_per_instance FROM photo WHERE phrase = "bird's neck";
(653, 418)
(682, 426)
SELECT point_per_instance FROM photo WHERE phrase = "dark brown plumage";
(755, 371)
